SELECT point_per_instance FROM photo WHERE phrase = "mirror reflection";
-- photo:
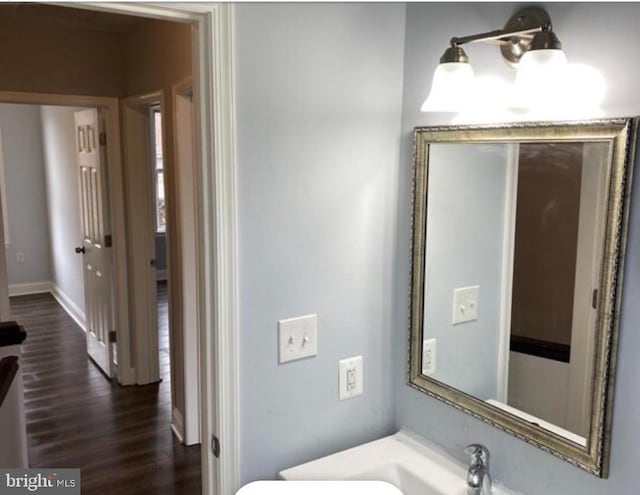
(513, 261)
(518, 241)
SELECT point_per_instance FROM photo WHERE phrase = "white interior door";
(96, 259)
(188, 238)
(588, 266)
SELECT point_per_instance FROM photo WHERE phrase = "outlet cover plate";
(465, 304)
(429, 357)
(297, 338)
(350, 382)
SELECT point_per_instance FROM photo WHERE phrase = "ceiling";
(69, 17)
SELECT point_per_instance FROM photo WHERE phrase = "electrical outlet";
(350, 381)
(19, 257)
(429, 357)
(465, 304)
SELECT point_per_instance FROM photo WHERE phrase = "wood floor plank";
(119, 437)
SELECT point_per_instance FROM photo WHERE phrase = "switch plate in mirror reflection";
(544, 207)
(465, 304)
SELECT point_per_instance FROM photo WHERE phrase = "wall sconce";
(526, 42)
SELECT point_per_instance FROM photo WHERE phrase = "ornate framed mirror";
(518, 245)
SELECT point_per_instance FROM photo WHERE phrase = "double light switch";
(297, 338)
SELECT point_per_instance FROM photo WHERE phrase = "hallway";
(119, 437)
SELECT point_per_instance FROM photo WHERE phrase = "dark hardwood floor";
(119, 437)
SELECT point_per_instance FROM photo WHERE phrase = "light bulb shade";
(451, 88)
(541, 78)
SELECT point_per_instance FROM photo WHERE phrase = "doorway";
(76, 417)
(215, 199)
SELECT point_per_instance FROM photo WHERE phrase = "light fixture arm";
(499, 36)
(514, 39)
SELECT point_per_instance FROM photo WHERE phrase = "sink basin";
(318, 488)
(409, 462)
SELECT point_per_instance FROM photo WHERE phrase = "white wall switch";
(19, 257)
(429, 357)
(297, 338)
(350, 377)
(465, 304)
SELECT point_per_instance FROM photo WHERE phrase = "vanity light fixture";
(526, 42)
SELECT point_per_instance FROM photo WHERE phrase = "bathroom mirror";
(517, 252)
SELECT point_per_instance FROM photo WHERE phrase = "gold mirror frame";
(620, 133)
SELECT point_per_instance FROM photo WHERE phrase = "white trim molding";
(177, 424)
(29, 288)
(72, 309)
(49, 287)
(219, 207)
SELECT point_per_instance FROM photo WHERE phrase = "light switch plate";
(297, 338)
(465, 304)
(350, 381)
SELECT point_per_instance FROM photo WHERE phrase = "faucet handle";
(479, 453)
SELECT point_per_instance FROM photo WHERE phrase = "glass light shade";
(586, 86)
(451, 88)
(541, 80)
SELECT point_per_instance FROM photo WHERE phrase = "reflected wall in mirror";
(517, 253)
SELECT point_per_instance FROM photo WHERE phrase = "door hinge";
(108, 241)
(215, 446)
(102, 138)
(594, 299)
(112, 336)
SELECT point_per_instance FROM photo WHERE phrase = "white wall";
(465, 230)
(64, 201)
(26, 194)
(590, 33)
(318, 90)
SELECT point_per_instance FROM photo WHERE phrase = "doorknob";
(80, 250)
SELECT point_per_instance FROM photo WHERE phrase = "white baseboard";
(29, 288)
(161, 274)
(69, 306)
(177, 424)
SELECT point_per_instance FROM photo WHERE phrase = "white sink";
(348, 487)
(406, 460)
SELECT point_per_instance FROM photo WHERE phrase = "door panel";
(94, 221)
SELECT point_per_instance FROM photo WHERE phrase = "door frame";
(216, 147)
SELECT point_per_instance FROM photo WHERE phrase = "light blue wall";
(318, 94)
(606, 36)
(26, 194)
(61, 172)
(465, 231)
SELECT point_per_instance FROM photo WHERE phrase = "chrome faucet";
(478, 478)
